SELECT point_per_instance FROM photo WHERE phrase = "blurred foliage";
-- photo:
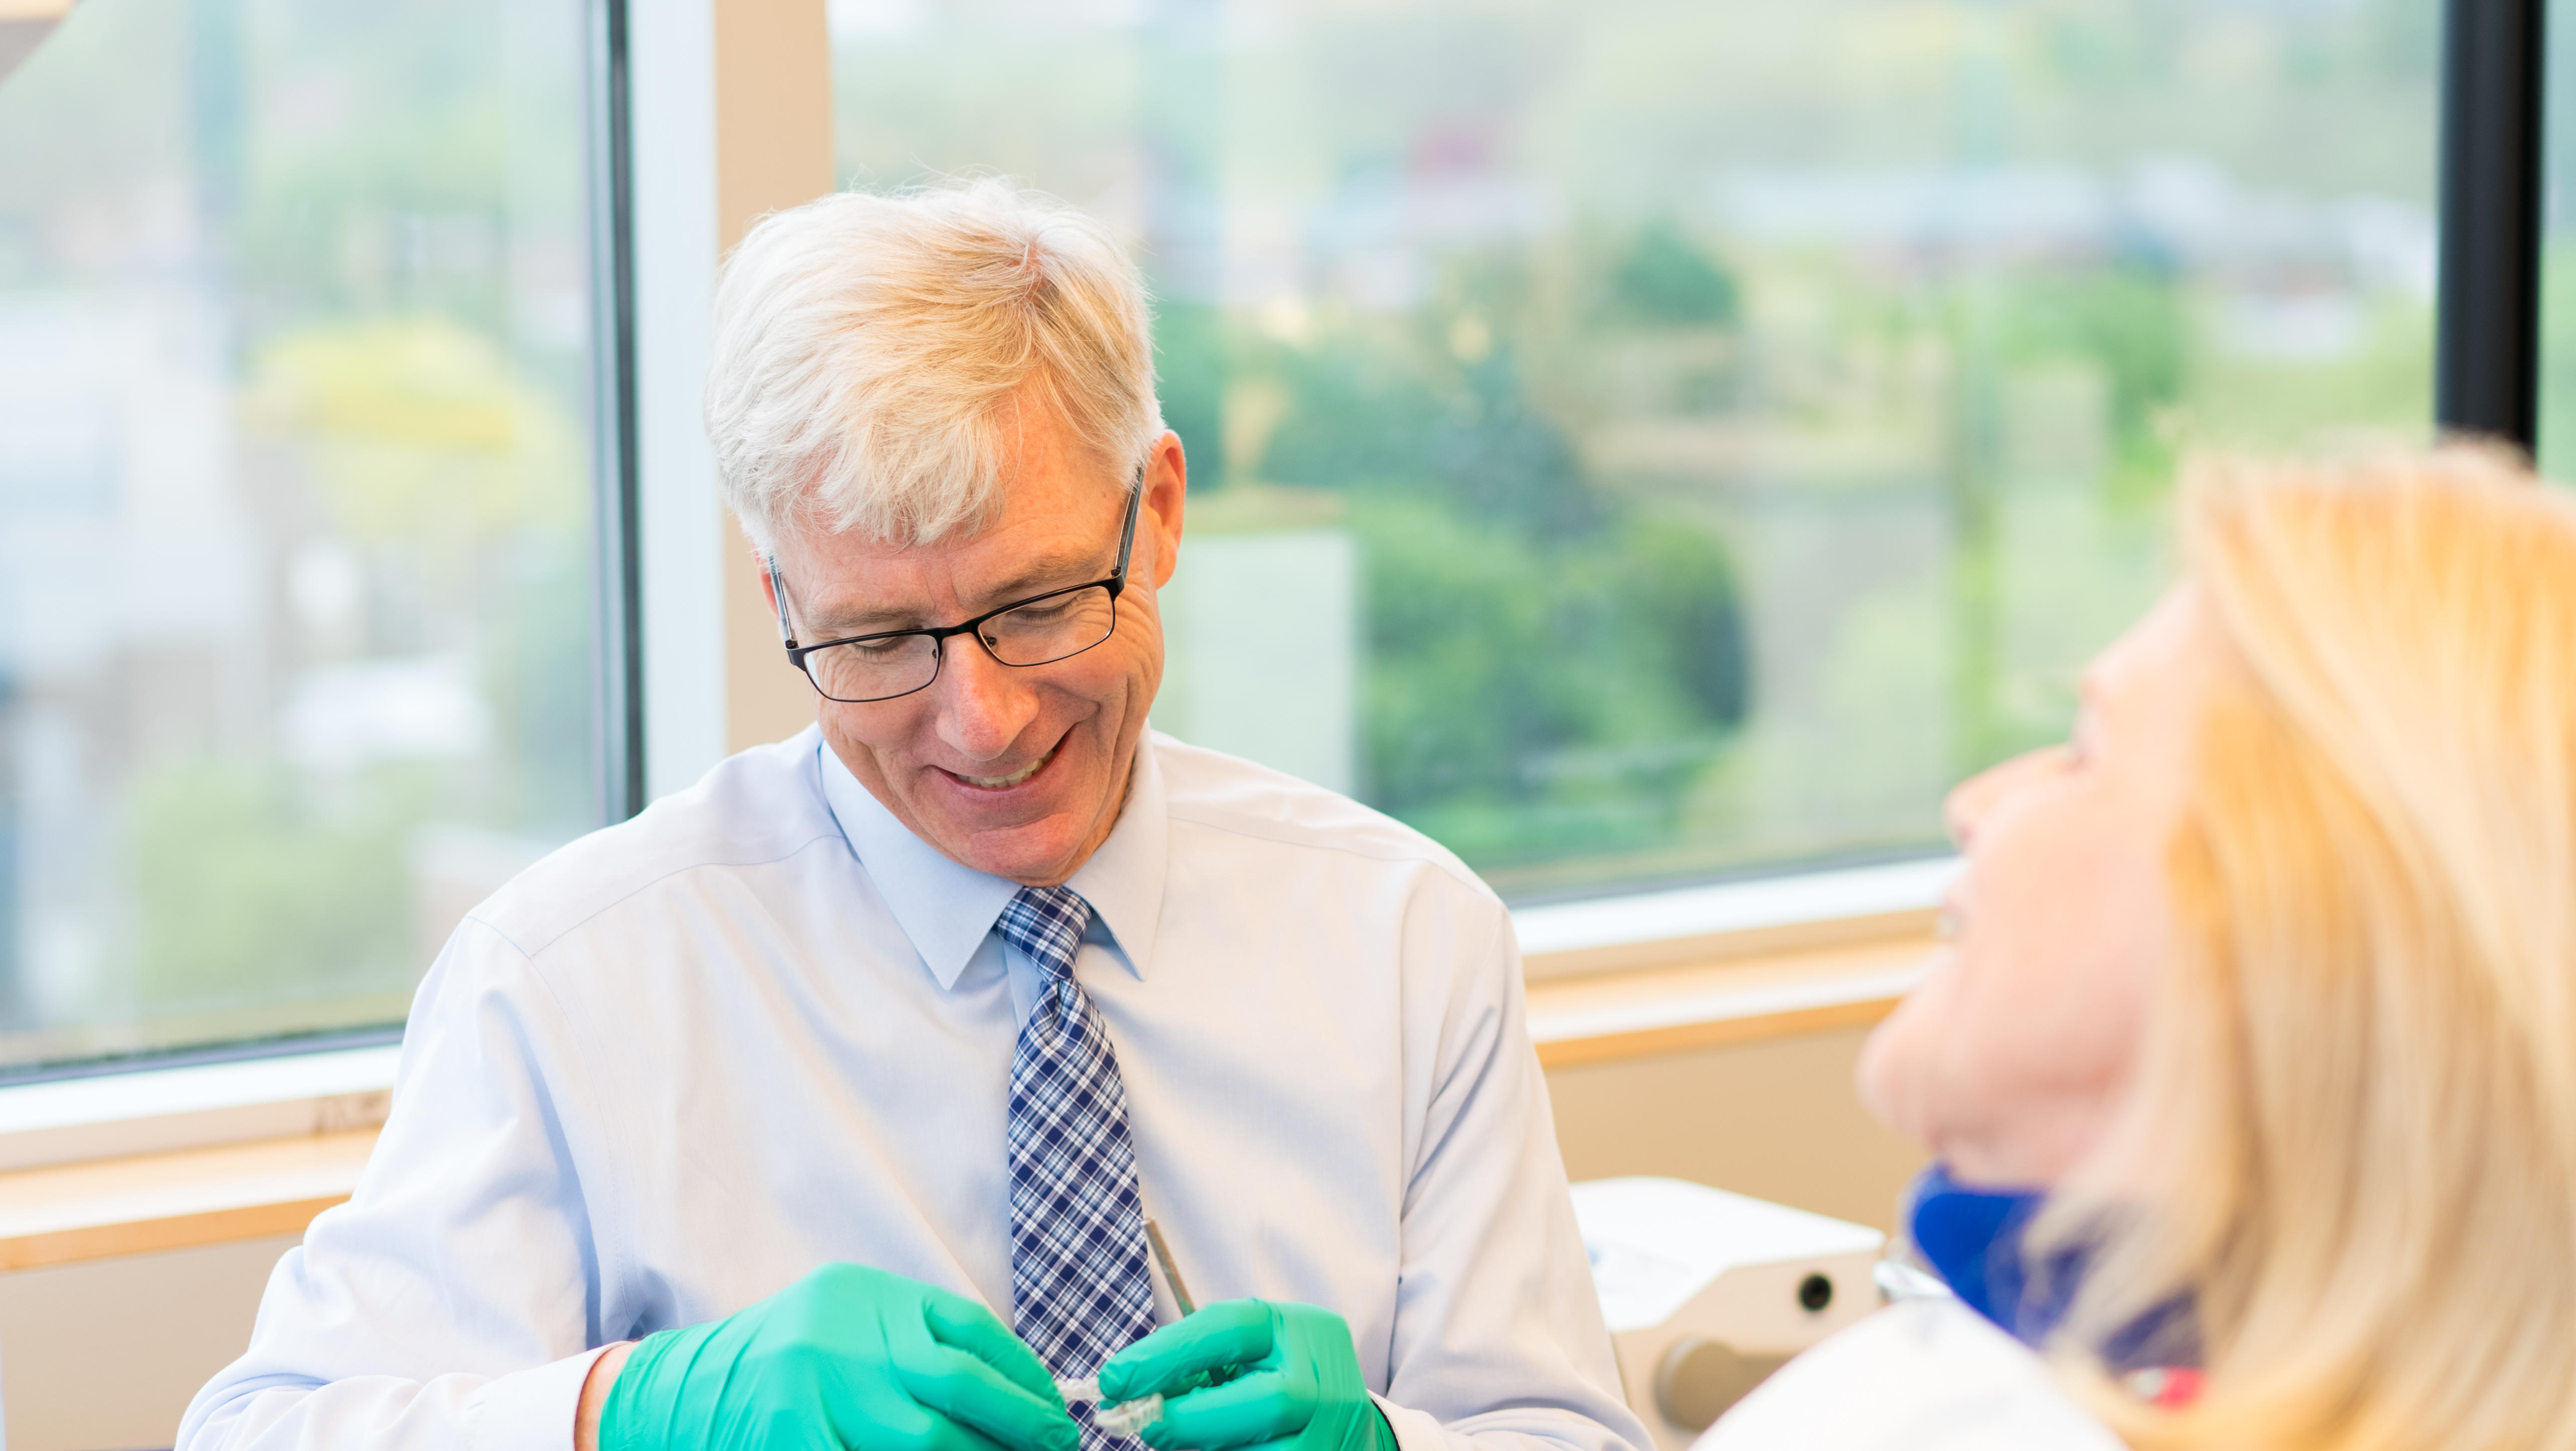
(1668, 280)
(2558, 352)
(1522, 694)
(2376, 394)
(418, 425)
(538, 626)
(2131, 321)
(1363, 416)
(1187, 345)
(425, 382)
(1548, 666)
(243, 890)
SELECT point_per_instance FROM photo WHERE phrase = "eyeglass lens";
(1037, 633)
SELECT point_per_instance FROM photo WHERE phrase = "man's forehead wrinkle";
(860, 607)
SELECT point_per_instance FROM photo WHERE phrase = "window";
(1651, 439)
(1638, 441)
(296, 610)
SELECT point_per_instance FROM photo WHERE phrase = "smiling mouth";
(998, 783)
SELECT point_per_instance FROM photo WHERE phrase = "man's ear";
(1167, 492)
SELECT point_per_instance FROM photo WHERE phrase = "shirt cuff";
(530, 1410)
(1414, 1430)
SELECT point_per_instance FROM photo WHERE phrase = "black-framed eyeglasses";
(1038, 630)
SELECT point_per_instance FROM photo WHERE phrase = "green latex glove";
(1252, 1373)
(845, 1357)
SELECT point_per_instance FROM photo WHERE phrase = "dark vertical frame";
(617, 628)
(2486, 363)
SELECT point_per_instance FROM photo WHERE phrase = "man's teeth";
(1013, 779)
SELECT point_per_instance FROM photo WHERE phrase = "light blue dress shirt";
(685, 1060)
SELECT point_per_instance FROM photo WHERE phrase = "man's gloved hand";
(845, 1357)
(1252, 1373)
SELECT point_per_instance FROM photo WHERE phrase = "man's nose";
(984, 705)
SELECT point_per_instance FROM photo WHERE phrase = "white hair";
(872, 354)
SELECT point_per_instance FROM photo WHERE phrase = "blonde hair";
(2353, 1147)
(873, 356)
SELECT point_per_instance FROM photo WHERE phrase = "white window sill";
(153, 1110)
(1732, 919)
(149, 1111)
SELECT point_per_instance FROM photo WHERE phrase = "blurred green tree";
(1666, 279)
(1548, 666)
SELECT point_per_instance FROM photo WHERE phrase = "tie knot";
(1046, 923)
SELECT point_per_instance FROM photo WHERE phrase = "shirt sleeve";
(453, 1301)
(1499, 1343)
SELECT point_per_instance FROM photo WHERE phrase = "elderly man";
(827, 1103)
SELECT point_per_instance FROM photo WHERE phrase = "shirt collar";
(947, 908)
(1124, 879)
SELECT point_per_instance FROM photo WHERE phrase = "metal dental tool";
(1171, 1276)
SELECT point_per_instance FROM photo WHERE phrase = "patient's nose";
(1971, 800)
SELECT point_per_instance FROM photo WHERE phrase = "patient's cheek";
(1895, 1076)
(1876, 1085)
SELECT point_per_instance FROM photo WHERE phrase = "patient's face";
(1020, 772)
(2011, 1057)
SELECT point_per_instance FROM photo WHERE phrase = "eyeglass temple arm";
(1127, 535)
(778, 597)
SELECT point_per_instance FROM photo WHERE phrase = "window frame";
(2486, 309)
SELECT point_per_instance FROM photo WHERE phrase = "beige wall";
(1776, 1119)
(105, 1356)
(773, 149)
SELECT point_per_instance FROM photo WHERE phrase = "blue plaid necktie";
(1078, 1281)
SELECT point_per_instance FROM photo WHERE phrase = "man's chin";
(1041, 853)
(1036, 832)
